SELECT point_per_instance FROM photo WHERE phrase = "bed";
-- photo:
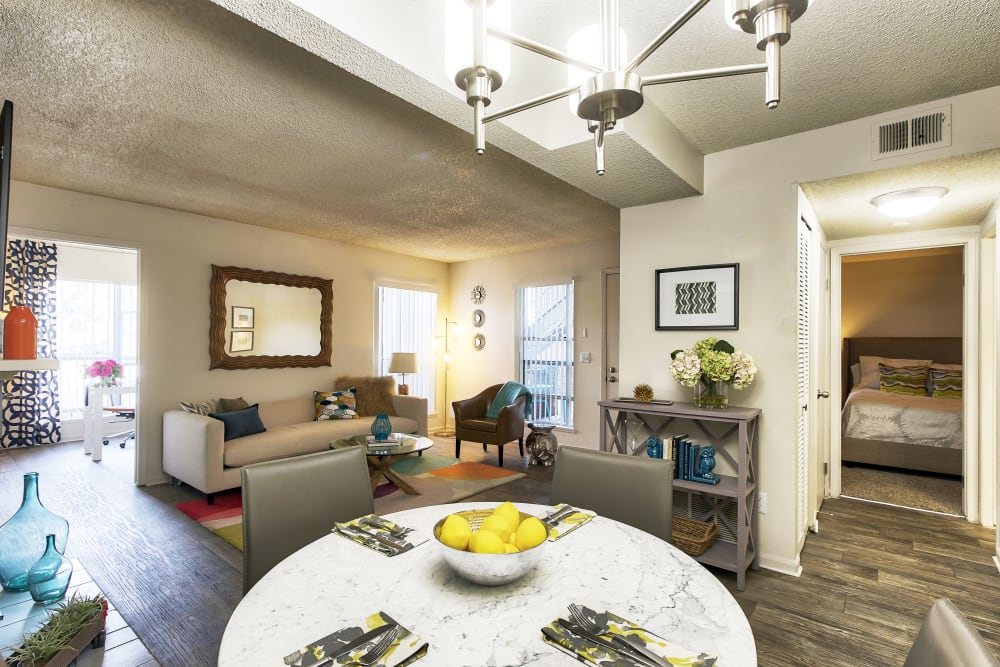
(915, 432)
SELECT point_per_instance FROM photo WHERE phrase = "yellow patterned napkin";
(376, 533)
(587, 652)
(568, 523)
(405, 650)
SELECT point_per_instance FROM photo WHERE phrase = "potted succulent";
(69, 629)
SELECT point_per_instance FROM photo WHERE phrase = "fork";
(599, 626)
(394, 529)
(378, 650)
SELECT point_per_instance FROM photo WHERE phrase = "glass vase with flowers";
(105, 373)
(711, 367)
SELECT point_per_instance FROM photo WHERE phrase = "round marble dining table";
(334, 582)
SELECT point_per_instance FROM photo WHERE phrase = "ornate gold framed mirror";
(292, 319)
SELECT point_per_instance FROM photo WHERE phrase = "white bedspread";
(870, 414)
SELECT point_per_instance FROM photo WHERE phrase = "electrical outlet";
(762, 502)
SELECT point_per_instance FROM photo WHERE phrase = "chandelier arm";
(697, 75)
(534, 102)
(541, 49)
(667, 33)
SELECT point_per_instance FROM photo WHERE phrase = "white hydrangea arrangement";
(713, 360)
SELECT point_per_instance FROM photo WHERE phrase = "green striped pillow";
(910, 380)
(946, 383)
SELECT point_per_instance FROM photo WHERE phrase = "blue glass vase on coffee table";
(49, 578)
(381, 428)
(23, 537)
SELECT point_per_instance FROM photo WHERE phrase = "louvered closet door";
(803, 330)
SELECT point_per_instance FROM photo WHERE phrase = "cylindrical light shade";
(403, 362)
(458, 38)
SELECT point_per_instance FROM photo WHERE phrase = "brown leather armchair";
(471, 422)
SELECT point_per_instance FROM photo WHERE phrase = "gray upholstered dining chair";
(635, 490)
(947, 639)
(291, 502)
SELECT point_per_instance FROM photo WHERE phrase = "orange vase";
(20, 334)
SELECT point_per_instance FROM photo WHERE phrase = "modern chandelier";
(613, 90)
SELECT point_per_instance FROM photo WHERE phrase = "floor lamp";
(447, 432)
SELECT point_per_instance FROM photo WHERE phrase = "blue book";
(692, 469)
(685, 452)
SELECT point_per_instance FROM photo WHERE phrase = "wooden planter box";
(93, 635)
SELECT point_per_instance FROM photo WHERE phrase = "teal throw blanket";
(509, 393)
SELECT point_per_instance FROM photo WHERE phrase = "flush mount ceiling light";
(613, 91)
(908, 203)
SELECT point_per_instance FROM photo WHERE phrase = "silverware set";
(557, 516)
(384, 636)
(594, 629)
(380, 535)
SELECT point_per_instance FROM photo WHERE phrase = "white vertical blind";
(803, 386)
(546, 350)
(406, 320)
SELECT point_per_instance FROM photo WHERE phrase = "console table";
(734, 433)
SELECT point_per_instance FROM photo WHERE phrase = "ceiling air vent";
(912, 134)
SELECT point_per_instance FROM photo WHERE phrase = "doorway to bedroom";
(902, 325)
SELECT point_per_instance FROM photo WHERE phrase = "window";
(545, 331)
(406, 324)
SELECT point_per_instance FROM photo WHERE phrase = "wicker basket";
(694, 537)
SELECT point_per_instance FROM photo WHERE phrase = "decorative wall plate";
(478, 317)
(479, 342)
(478, 294)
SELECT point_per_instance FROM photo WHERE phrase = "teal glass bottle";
(23, 537)
(381, 428)
(49, 578)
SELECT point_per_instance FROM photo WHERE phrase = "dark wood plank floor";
(869, 575)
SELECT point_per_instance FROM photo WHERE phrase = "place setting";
(604, 638)
(380, 534)
(564, 519)
(379, 642)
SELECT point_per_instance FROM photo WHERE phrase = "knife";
(555, 517)
(620, 646)
(398, 547)
(329, 658)
(367, 539)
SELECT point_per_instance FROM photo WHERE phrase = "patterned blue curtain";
(30, 404)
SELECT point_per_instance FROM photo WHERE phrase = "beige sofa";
(194, 451)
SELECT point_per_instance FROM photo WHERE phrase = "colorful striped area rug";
(439, 479)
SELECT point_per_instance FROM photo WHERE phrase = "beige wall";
(176, 251)
(501, 276)
(906, 296)
(748, 215)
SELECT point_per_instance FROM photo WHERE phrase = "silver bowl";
(489, 569)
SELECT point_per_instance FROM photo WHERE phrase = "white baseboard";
(782, 565)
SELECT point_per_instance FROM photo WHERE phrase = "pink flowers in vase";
(107, 372)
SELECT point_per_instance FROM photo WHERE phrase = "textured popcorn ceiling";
(260, 113)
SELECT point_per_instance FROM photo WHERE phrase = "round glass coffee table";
(381, 456)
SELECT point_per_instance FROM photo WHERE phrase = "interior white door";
(803, 521)
(612, 307)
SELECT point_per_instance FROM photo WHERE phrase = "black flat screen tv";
(7, 123)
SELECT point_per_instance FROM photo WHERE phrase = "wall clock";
(478, 317)
(479, 342)
(478, 294)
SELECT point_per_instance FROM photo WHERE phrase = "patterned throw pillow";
(203, 408)
(232, 404)
(911, 380)
(946, 383)
(335, 405)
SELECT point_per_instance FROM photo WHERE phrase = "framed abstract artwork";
(241, 341)
(698, 297)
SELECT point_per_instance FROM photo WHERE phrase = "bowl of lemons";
(491, 547)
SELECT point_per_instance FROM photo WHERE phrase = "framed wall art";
(241, 341)
(242, 317)
(698, 297)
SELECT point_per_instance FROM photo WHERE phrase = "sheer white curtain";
(406, 319)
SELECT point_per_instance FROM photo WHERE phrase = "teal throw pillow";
(239, 423)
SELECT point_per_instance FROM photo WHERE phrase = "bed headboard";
(945, 350)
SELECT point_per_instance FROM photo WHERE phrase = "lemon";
(486, 542)
(498, 524)
(530, 533)
(511, 549)
(455, 532)
(509, 511)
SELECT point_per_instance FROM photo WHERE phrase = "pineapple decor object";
(642, 393)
